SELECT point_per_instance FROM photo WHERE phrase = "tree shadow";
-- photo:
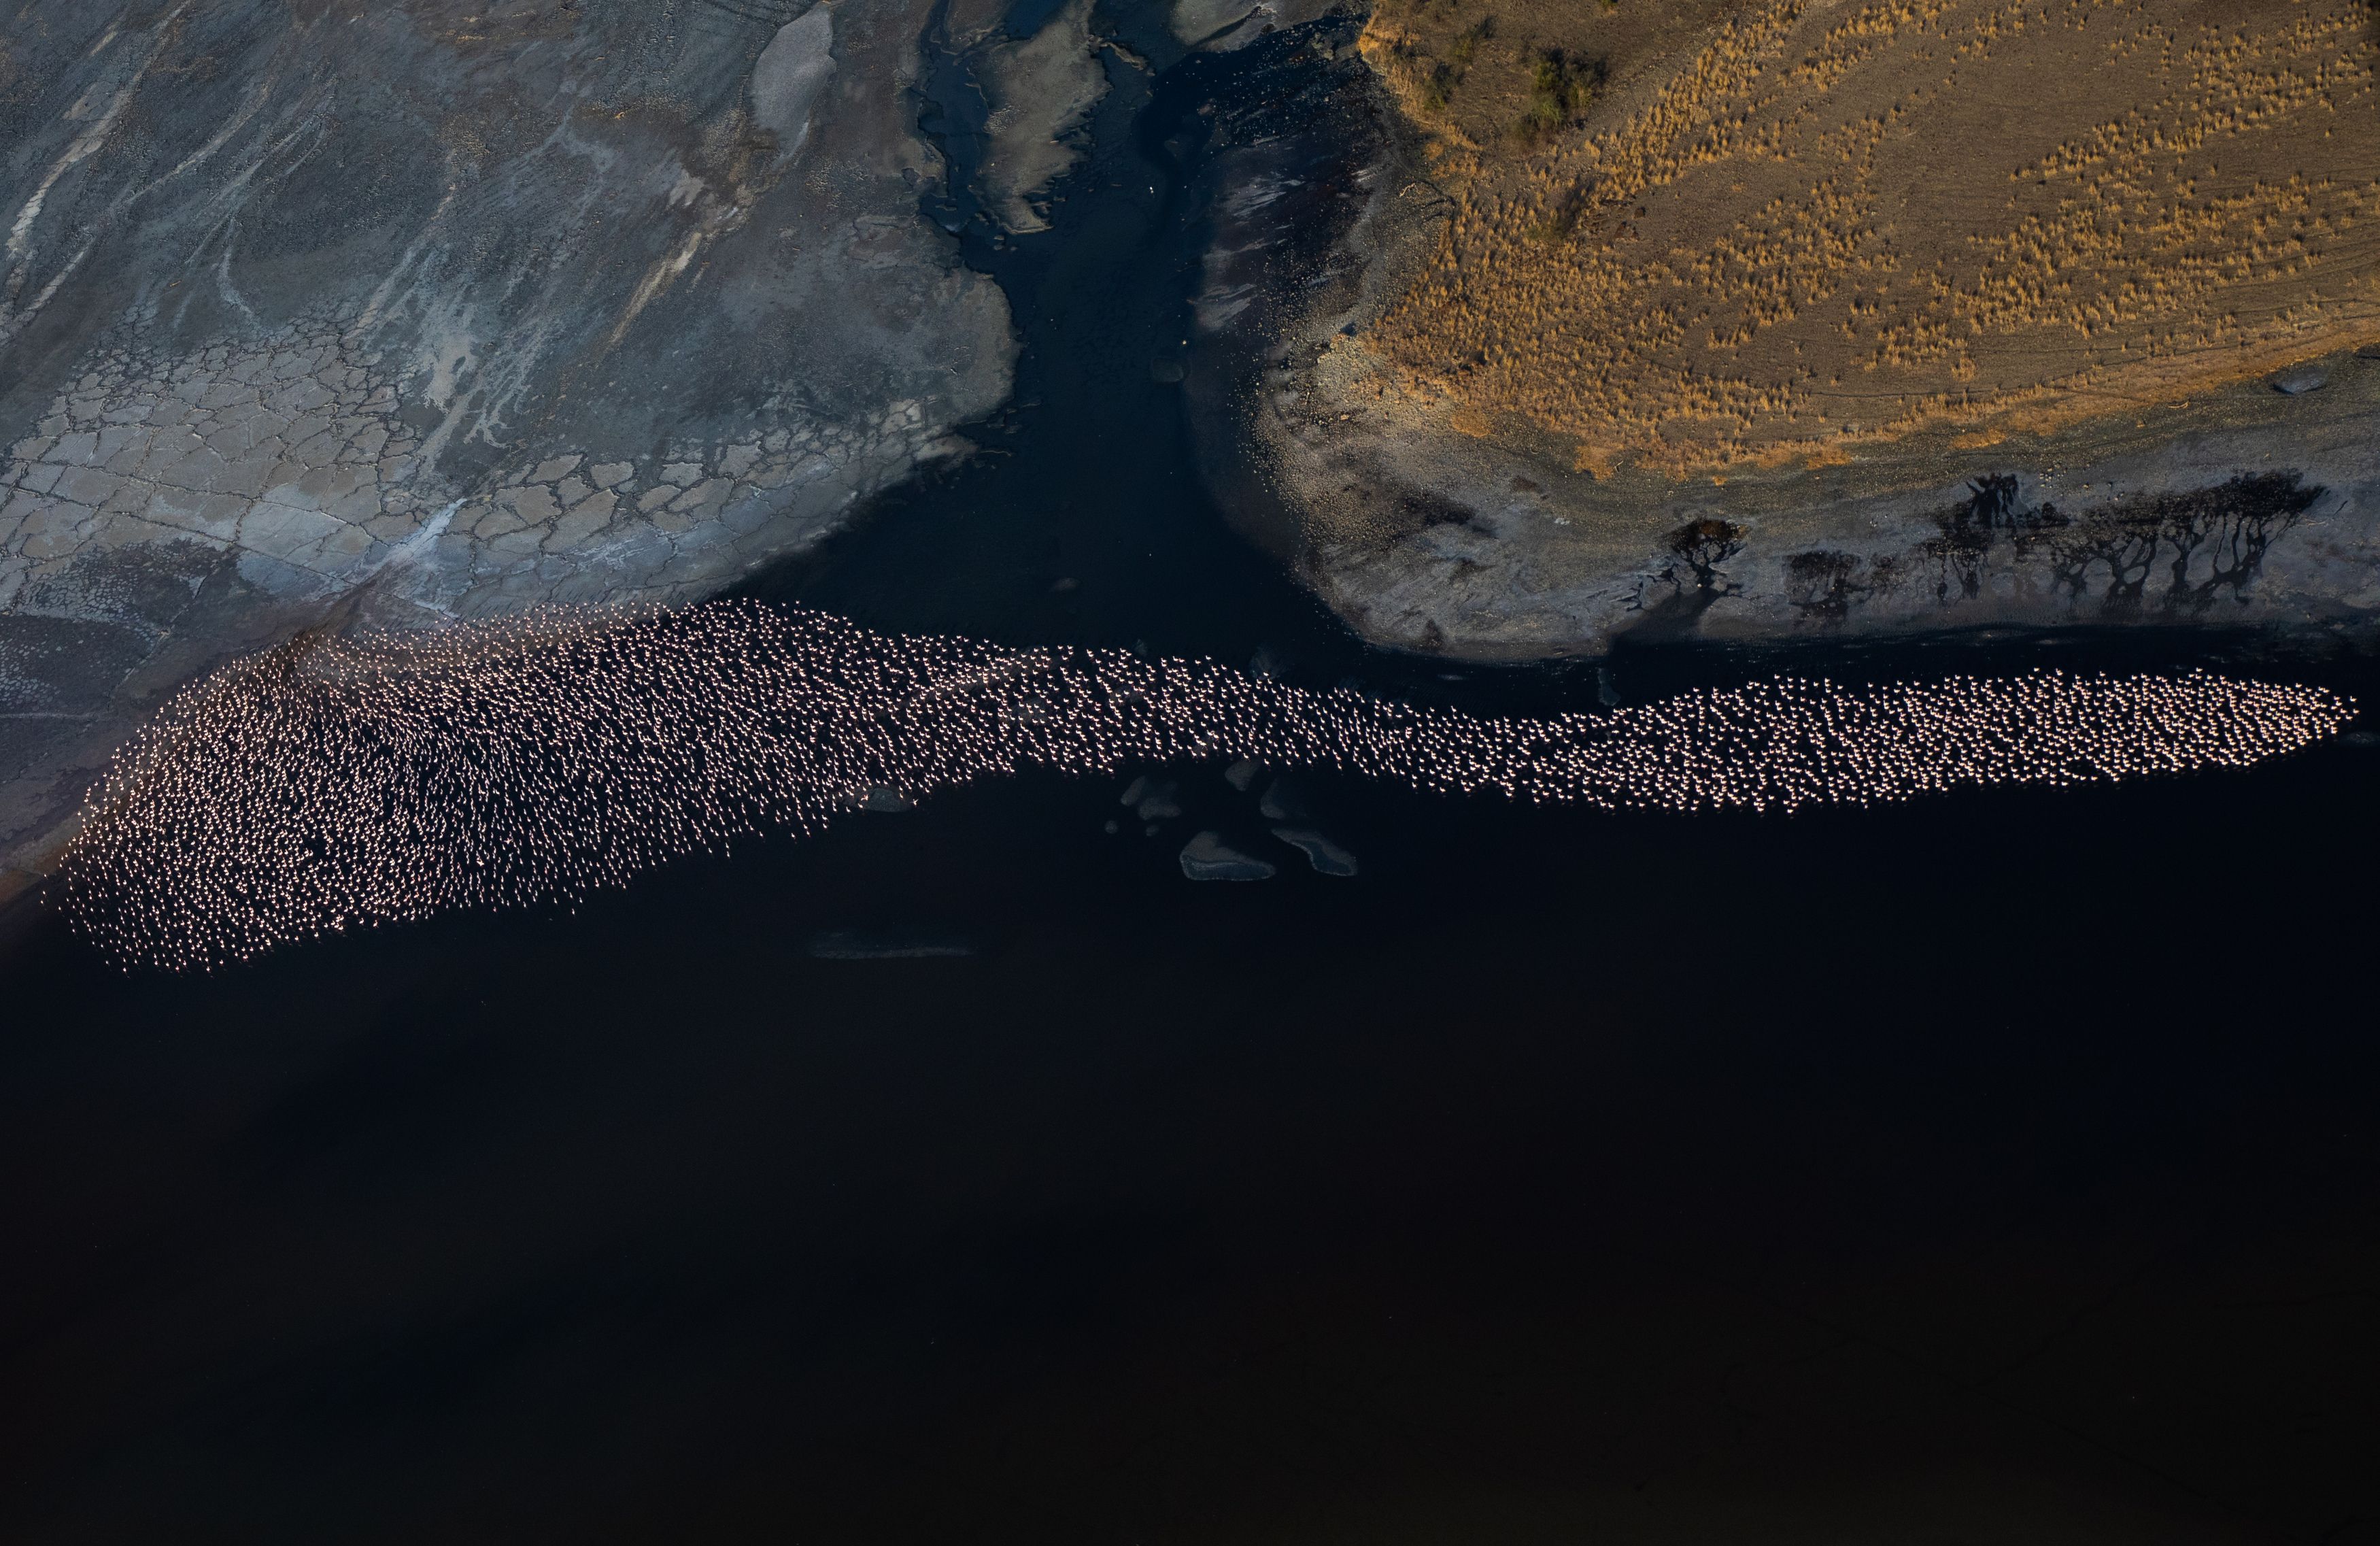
(1994, 508)
(1823, 585)
(1695, 550)
(2209, 543)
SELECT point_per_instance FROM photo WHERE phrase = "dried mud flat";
(416, 311)
(1802, 278)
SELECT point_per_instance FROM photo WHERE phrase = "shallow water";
(1997, 1165)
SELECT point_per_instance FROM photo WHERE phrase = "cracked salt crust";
(290, 454)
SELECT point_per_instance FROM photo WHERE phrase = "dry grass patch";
(1696, 236)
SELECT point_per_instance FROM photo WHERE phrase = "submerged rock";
(1283, 801)
(1208, 857)
(1327, 856)
(1153, 799)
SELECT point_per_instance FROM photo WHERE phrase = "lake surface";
(1997, 1167)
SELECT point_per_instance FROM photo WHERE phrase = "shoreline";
(1496, 546)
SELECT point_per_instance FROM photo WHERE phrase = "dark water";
(1999, 1167)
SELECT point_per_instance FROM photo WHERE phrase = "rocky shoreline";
(573, 310)
(2254, 505)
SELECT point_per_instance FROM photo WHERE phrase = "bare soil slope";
(1698, 236)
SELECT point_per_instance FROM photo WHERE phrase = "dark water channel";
(1085, 520)
(1997, 1167)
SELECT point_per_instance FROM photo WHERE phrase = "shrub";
(1560, 90)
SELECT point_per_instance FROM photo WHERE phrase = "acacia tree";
(1702, 545)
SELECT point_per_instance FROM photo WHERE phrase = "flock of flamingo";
(344, 781)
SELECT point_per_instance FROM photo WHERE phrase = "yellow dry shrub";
(1826, 225)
